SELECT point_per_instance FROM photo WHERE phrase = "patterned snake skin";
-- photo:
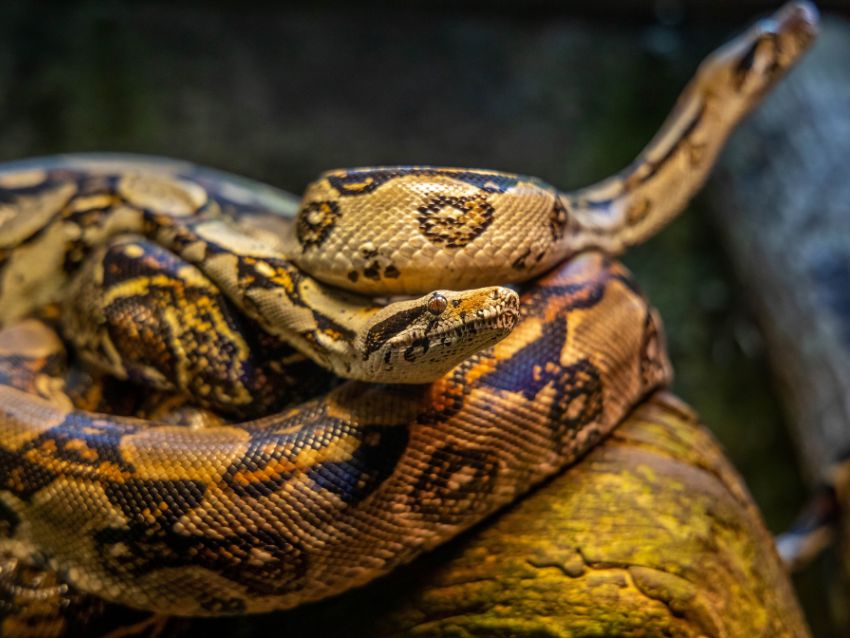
(195, 284)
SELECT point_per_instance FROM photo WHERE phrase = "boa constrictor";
(190, 281)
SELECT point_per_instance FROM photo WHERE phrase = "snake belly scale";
(491, 392)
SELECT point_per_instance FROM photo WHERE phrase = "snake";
(170, 436)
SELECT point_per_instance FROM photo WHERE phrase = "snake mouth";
(420, 343)
(440, 349)
(496, 320)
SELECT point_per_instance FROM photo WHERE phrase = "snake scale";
(277, 485)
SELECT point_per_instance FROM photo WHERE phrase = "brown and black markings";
(376, 266)
(156, 320)
(536, 366)
(331, 464)
(315, 222)
(455, 483)
(455, 221)
(364, 181)
(533, 398)
(640, 172)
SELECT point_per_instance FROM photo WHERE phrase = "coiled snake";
(193, 283)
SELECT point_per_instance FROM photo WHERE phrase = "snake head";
(753, 62)
(419, 340)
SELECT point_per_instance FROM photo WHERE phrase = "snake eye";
(437, 303)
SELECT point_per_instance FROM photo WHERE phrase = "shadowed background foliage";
(567, 93)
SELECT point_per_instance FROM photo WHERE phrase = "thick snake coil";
(190, 282)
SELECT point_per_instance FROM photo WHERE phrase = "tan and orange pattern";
(270, 513)
(189, 498)
(462, 225)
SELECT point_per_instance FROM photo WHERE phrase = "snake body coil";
(190, 282)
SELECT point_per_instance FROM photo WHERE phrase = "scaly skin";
(475, 227)
(272, 513)
(58, 211)
(255, 515)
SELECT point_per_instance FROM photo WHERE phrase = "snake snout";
(422, 339)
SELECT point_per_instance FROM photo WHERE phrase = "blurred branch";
(782, 199)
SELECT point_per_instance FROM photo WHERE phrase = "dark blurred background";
(568, 92)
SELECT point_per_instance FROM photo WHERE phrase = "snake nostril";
(437, 303)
